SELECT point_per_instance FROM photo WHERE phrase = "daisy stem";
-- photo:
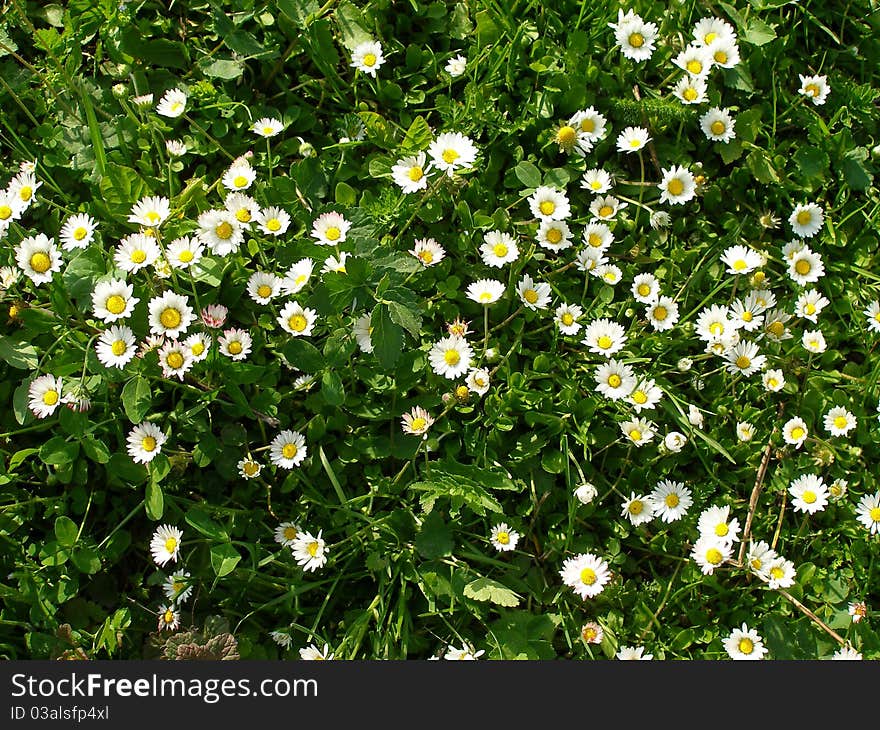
(641, 190)
(208, 135)
(485, 329)
(427, 460)
(269, 157)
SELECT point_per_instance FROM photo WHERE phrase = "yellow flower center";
(840, 421)
(178, 586)
(289, 450)
(812, 90)
(264, 290)
(709, 37)
(450, 155)
(234, 348)
(672, 500)
(40, 262)
(174, 360)
(239, 181)
(115, 304)
(153, 217)
(530, 295)
(118, 347)
(566, 135)
(418, 423)
(714, 556)
(720, 57)
(635, 435)
(185, 256)
(643, 290)
(874, 514)
(370, 59)
(243, 215)
(594, 239)
(797, 433)
(614, 380)
(716, 328)
(588, 576)
(717, 127)
(596, 184)
(675, 186)
(138, 256)
(486, 296)
(605, 212)
(554, 235)
(500, 250)
(268, 130)
(50, 397)
(746, 646)
(313, 548)
(804, 217)
(690, 93)
(170, 318)
(802, 267)
(289, 531)
(742, 362)
(415, 173)
(297, 323)
(604, 342)
(567, 319)
(451, 357)
(635, 143)
(168, 616)
(503, 538)
(740, 265)
(176, 106)
(273, 224)
(776, 328)
(636, 40)
(722, 529)
(5, 212)
(198, 348)
(808, 496)
(640, 397)
(776, 572)
(224, 231)
(171, 542)
(80, 233)
(547, 207)
(251, 468)
(694, 66)
(660, 313)
(26, 191)
(587, 125)
(747, 316)
(426, 256)
(333, 233)
(148, 443)
(756, 563)
(772, 382)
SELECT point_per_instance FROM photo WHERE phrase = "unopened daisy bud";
(144, 101)
(119, 90)
(684, 364)
(461, 393)
(214, 316)
(306, 149)
(491, 355)
(586, 493)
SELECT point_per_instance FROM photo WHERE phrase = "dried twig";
(813, 617)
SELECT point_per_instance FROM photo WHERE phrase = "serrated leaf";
(404, 316)
(487, 590)
(332, 390)
(303, 355)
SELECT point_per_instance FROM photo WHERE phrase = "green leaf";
(378, 130)
(352, 27)
(485, 589)
(387, 337)
(417, 137)
(434, 539)
(120, 188)
(222, 68)
(66, 531)
(57, 451)
(528, 174)
(155, 51)
(761, 166)
(136, 398)
(154, 501)
(303, 355)
(19, 354)
(224, 558)
(95, 449)
(86, 559)
(204, 524)
(854, 172)
(410, 320)
(758, 33)
(82, 271)
(345, 194)
(331, 388)
(811, 161)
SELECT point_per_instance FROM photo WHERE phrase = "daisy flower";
(116, 347)
(267, 127)
(780, 574)
(633, 653)
(44, 395)
(286, 533)
(806, 220)
(709, 552)
(795, 431)
(310, 551)
(635, 37)
(837, 489)
(846, 653)
(112, 300)
(503, 538)
(177, 587)
(263, 287)
(427, 251)
(78, 231)
(466, 653)
(816, 88)
(590, 126)
(589, 259)
(175, 147)
(637, 509)
(313, 653)
(150, 212)
(38, 257)
(696, 60)
(410, 173)
(273, 221)
(659, 219)
(604, 337)
(638, 430)
(615, 380)
(806, 267)
(744, 359)
(746, 313)
(606, 207)
(715, 522)
(235, 344)
(23, 187)
(198, 346)
(417, 421)
(670, 500)
(172, 104)
(645, 396)
(645, 288)
(632, 139)
(451, 357)
(554, 235)
(548, 203)
(690, 89)
(872, 312)
(809, 494)
(239, 176)
(169, 618)
(596, 180)
(586, 574)
(745, 431)
(586, 493)
(330, 229)
(498, 248)
(858, 610)
(662, 314)
(712, 30)
(718, 125)
(170, 314)
(741, 259)
(456, 66)
(248, 468)
(367, 57)
(839, 421)
(288, 449)
(297, 276)
(567, 318)
(744, 643)
(695, 416)
(568, 139)
(533, 295)
(336, 265)
(478, 381)
(814, 341)
(592, 633)
(868, 512)
(677, 186)
(174, 359)
(165, 544)
(184, 252)
(296, 320)
(724, 53)
(243, 207)
(774, 325)
(220, 231)
(598, 236)
(451, 151)
(362, 329)
(11, 209)
(760, 558)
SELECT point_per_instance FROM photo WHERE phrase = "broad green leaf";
(387, 337)
(57, 451)
(21, 355)
(86, 559)
(759, 33)
(66, 531)
(204, 524)
(487, 590)
(136, 398)
(154, 501)
(417, 137)
(224, 558)
(303, 355)
(528, 174)
(434, 539)
(331, 388)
